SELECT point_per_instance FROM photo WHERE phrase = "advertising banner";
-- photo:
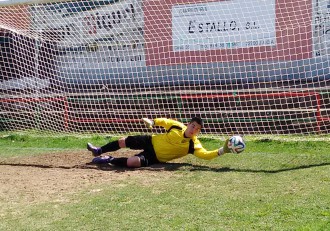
(223, 25)
(94, 34)
(206, 31)
(321, 27)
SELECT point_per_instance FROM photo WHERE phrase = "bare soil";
(51, 177)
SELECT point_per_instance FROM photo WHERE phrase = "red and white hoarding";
(191, 31)
(181, 31)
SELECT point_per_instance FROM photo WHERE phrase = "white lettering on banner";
(223, 25)
(94, 36)
(321, 28)
(102, 20)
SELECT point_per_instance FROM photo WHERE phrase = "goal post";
(245, 67)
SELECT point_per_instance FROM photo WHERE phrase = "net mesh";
(245, 67)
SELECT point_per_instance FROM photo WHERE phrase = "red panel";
(16, 17)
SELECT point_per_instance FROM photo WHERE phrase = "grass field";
(48, 184)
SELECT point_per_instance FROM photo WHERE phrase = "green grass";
(14, 144)
(273, 185)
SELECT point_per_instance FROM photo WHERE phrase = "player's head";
(194, 127)
(197, 120)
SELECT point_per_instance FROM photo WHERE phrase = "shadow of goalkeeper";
(166, 167)
(193, 167)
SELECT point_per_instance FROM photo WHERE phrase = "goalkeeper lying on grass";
(178, 141)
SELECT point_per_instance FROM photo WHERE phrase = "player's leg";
(134, 162)
(137, 161)
(143, 159)
(138, 142)
(131, 162)
(109, 147)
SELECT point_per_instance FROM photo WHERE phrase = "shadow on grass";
(191, 167)
(228, 169)
(165, 167)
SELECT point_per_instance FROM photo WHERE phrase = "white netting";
(244, 66)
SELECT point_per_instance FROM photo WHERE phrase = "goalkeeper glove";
(149, 123)
(224, 149)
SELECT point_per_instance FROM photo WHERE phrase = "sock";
(110, 147)
(121, 162)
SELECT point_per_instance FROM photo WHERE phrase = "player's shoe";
(95, 150)
(102, 160)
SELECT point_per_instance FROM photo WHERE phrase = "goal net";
(244, 66)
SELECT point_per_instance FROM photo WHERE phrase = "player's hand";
(149, 123)
(224, 149)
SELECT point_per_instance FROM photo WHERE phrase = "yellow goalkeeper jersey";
(172, 144)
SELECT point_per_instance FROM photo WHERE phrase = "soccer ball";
(236, 144)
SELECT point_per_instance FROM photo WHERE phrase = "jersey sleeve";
(166, 123)
(202, 153)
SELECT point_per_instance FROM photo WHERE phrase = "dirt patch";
(49, 177)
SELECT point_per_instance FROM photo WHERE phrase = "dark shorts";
(148, 156)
